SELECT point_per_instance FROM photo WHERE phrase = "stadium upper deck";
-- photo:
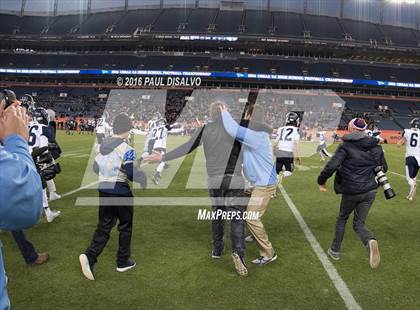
(211, 21)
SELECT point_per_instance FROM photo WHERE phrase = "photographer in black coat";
(355, 162)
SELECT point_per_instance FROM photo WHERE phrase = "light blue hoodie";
(20, 196)
(258, 154)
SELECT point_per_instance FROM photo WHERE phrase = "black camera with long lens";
(383, 181)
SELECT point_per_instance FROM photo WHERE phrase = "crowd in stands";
(190, 108)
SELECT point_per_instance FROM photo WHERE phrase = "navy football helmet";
(40, 115)
(415, 123)
(292, 119)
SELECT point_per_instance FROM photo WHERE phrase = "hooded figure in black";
(354, 163)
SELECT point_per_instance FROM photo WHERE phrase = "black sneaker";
(333, 254)
(240, 264)
(155, 179)
(87, 267)
(127, 265)
(216, 253)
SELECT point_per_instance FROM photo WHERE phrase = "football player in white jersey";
(322, 146)
(287, 146)
(159, 135)
(149, 142)
(411, 138)
(375, 133)
(103, 128)
(39, 136)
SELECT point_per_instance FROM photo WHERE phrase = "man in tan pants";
(259, 169)
(258, 204)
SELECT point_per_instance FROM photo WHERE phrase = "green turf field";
(172, 249)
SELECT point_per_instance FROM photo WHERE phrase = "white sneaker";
(54, 196)
(249, 238)
(374, 257)
(51, 215)
(263, 260)
(86, 269)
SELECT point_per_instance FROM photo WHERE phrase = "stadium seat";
(257, 22)
(98, 23)
(172, 20)
(287, 24)
(228, 22)
(136, 19)
(323, 27)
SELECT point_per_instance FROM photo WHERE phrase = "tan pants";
(258, 203)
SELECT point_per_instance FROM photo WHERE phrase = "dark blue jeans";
(227, 194)
(26, 248)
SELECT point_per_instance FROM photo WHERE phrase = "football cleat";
(52, 215)
(54, 196)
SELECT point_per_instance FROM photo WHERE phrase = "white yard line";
(336, 279)
(79, 189)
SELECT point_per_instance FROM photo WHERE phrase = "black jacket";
(354, 163)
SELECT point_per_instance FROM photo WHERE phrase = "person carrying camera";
(355, 162)
(20, 183)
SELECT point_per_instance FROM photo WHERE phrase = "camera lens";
(389, 193)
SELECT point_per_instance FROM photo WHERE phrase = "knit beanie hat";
(358, 124)
(122, 124)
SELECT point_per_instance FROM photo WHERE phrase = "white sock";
(51, 186)
(160, 167)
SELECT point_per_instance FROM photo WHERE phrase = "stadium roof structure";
(402, 13)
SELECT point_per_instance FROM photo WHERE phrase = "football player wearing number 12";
(410, 138)
(287, 145)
